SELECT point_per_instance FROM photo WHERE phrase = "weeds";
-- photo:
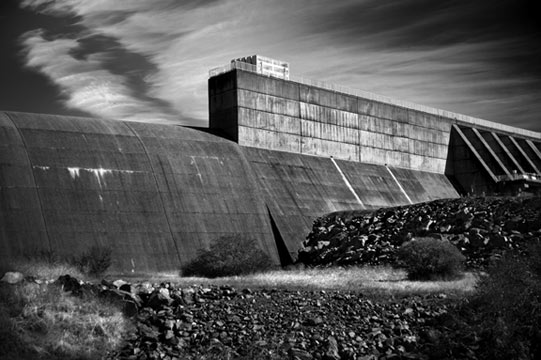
(40, 321)
(95, 261)
(509, 304)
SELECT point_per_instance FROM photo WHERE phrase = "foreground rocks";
(480, 227)
(223, 322)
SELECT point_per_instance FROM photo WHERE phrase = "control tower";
(266, 66)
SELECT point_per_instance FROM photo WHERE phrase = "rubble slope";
(481, 227)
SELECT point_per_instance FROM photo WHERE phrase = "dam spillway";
(278, 154)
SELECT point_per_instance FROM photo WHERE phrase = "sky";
(148, 60)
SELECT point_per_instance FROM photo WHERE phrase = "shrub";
(508, 305)
(228, 255)
(430, 259)
(95, 261)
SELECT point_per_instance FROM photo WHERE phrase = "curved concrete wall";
(158, 193)
(154, 193)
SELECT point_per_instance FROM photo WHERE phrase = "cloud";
(85, 84)
(477, 58)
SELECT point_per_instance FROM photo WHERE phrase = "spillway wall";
(156, 194)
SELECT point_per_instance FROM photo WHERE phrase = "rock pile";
(224, 322)
(480, 227)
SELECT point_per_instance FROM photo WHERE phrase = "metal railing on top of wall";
(383, 99)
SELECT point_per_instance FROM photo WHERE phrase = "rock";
(299, 354)
(12, 277)
(69, 283)
(332, 349)
(313, 321)
(130, 303)
(118, 283)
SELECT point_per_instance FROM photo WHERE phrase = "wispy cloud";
(85, 84)
(477, 58)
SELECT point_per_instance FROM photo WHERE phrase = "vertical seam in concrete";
(348, 184)
(301, 138)
(34, 181)
(157, 188)
(399, 185)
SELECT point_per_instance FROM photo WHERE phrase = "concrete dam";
(278, 153)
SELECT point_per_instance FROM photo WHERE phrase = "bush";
(95, 261)
(228, 255)
(430, 259)
(508, 305)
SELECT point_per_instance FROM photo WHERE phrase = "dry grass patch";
(44, 322)
(369, 280)
(44, 269)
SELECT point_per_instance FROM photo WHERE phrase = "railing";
(383, 99)
(515, 177)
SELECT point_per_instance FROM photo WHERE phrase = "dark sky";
(148, 60)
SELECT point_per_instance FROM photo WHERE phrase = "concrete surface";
(158, 193)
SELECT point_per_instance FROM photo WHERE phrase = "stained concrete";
(297, 117)
(158, 193)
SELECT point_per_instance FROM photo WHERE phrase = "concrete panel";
(318, 96)
(373, 184)
(320, 147)
(269, 121)
(428, 164)
(222, 186)
(268, 85)
(223, 83)
(329, 115)
(263, 102)
(269, 139)
(298, 189)
(347, 103)
(422, 186)
(131, 186)
(339, 134)
(22, 227)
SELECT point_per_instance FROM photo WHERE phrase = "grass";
(45, 269)
(367, 280)
(41, 321)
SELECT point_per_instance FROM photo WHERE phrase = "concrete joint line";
(398, 183)
(346, 181)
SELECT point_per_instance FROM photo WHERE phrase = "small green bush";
(95, 261)
(228, 255)
(430, 259)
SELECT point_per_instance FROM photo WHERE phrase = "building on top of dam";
(280, 152)
(262, 110)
